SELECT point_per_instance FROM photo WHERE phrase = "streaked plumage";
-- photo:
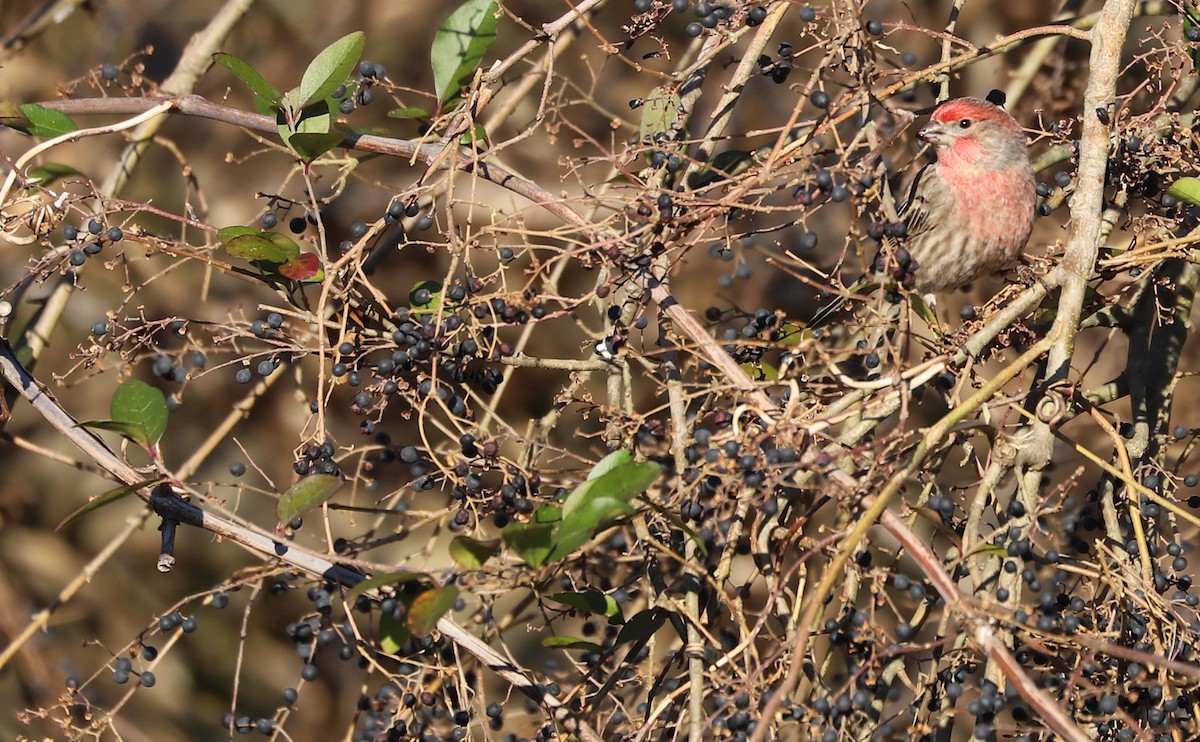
(969, 214)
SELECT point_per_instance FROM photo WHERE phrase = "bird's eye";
(965, 124)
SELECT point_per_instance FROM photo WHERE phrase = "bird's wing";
(915, 211)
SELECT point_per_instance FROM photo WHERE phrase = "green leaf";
(142, 408)
(428, 607)
(305, 495)
(270, 247)
(1186, 189)
(45, 175)
(460, 44)
(659, 112)
(678, 522)
(571, 642)
(547, 513)
(531, 541)
(922, 309)
(311, 134)
(266, 97)
(393, 633)
(330, 68)
(761, 371)
(101, 500)
(408, 112)
(592, 601)
(378, 581)
(13, 117)
(228, 233)
(725, 165)
(601, 499)
(477, 136)
(428, 307)
(641, 626)
(305, 267)
(311, 146)
(613, 461)
(471, 553)
(285, 244)
(616, 476)
(578, 527)
(1189, 22)
(132, 431)
(46, 123)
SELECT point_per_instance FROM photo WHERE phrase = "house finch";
(968, 214)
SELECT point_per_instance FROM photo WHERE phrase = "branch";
(433, 154)
(171, 505)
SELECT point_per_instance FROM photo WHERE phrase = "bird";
(967, 214)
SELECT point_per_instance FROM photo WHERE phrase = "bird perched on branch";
(969, 213)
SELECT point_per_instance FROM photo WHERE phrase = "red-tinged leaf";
(305, 267)
(428, 607)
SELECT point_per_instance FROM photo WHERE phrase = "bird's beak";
(933, 133)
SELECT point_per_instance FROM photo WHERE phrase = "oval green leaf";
(266, 97)
(1186, 189)
(471, 553)
(531, 541)
(460, 44)
(225, 234)
(571, 642)
(330, 68)
(104, 499)
(616, 476)
(475, 138)
(428, 607)
(660, 112)
(12, 117)
(258, 246)
(311, 146)
(142, 408)
(393, 634)
(578, 527)
(46, 123)
(408, 112)
(641, 626)
(592, 601)
(435, 298)
(378, 581)
(305, 495)
(608, 463)
(45, 175)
